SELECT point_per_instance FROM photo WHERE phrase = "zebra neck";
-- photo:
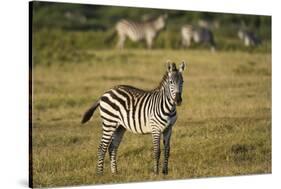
(166, 100)
(163, 83)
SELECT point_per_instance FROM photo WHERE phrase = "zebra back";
(140, 30)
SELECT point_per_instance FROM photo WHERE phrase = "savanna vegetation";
(223, 128)
(224, 122)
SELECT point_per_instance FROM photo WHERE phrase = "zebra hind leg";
(107, 134)
(117, 137)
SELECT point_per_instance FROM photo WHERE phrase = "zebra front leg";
(156, 135)
(108, 131)
(121, 41)
(166, 140)
(149, 41)
(116, 139)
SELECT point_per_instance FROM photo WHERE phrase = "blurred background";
(70, 30)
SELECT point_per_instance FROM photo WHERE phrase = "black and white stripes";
(137, 31)
(128, 108)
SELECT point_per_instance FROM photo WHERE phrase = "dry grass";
(223, 128)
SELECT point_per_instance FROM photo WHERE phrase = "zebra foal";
(138, 31)
(141, 112)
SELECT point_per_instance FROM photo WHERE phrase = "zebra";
(248, 38)
(190, 33)
(139, 31)
(139, 111)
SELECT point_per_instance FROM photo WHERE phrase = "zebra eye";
(171, 82)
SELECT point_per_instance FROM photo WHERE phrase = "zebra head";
(175, 81)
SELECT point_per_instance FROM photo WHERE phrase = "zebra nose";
(178, 98)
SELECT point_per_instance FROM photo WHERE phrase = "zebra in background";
(248, 38)
(138, 111)
(139, 31)
(191, 34)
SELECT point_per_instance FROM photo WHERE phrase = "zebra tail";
(110, 37)
(88, 114)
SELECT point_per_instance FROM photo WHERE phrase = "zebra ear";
(169, 65)
(182, 66)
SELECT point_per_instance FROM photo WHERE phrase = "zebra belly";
(136, 128)
(134, 37)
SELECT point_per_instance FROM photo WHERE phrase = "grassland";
(223, 126)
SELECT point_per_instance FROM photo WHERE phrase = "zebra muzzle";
(178, 99)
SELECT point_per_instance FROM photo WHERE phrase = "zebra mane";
(162, 82)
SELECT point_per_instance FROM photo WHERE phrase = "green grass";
(223, 126)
